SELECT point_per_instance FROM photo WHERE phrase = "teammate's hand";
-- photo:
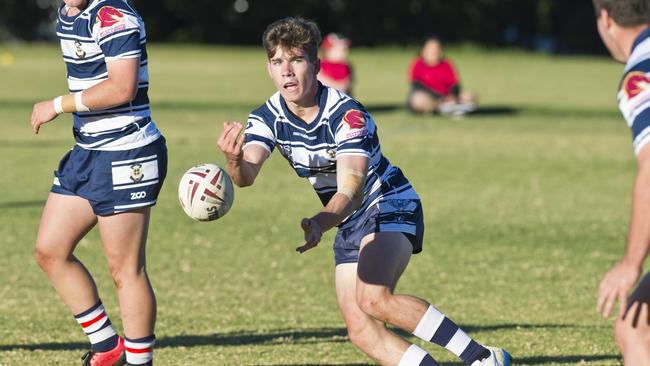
(313, 233)
(43, 112)
(616, 284)
(230, 142)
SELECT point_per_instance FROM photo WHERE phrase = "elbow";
(242, 183)
(127, 94)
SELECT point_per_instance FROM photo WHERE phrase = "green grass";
(524, 212)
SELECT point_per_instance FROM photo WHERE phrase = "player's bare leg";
(65, 220)
(382, 260)
(124, 236)
(368, 334)
(422, 102)
(633, 332)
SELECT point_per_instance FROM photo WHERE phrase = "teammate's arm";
(120, 87)
(350, 180)
(242, 165)
(619, 281)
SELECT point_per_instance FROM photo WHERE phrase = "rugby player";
(331, 139)
(624, 26)
(111, 177)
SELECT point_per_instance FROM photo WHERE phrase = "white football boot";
(498, 357)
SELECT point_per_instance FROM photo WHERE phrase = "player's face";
(432, 52)
(294, 75)
(606, 29)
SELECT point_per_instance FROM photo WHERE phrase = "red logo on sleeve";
(109, 16)
(354, 119)
(635, 83)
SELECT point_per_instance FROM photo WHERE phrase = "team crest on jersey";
(356, 121)
(136, 172)
(79, 52)
(635, 83)
(108, 16)
(109, 20)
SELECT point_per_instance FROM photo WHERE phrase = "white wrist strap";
(79, 105)
(58, 108)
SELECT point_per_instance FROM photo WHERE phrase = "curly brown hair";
(627, 13)
(292, 32)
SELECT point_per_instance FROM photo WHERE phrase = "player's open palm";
(617, 284)
(43, 112)
(230, 141)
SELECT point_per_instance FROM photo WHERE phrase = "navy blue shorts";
(398, 215)
(113, 181)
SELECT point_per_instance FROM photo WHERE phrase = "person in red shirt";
(435, 87)
(335, 68)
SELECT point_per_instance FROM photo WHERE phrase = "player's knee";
(44, 256)
(123, 274)
(628, 337)
(359, 333)
(375, 305)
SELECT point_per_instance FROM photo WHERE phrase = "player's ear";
(605, 18)
(268, 68)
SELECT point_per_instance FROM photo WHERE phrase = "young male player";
(111, 177)
(624, 28)
(330, 139)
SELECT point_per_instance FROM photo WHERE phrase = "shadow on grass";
(237, 338)
(22, 204)
(275, 336)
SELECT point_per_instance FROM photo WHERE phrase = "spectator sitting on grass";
(435, 87)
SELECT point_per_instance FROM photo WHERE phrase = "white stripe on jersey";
(640, 53)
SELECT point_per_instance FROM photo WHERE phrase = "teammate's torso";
(105, 31)
(342, 127)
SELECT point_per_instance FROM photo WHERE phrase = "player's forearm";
(242, 172)
(337, 209)
(639, 233)
(109, 93)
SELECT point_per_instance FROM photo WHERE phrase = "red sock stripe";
(139, 350)
(93, 321)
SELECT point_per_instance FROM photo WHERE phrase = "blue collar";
(640, 38)
(321, 97)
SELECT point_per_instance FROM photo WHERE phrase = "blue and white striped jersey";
(105, 31)
(342, 127)
(634, 91)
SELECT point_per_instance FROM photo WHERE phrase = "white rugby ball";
(206, 192)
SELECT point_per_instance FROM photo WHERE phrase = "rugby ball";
(206, 192)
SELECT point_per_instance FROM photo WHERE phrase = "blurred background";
(555, 26)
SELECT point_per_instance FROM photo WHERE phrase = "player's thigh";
(65, 220)
(382, 260)
(124, 238)
(346, 282)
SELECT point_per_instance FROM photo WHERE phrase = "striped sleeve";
(116, 30)
(258, 133)
(352, 135)
(635, 105)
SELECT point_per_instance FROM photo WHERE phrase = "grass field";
(526, 206)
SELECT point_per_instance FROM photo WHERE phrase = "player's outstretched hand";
(43, 112)
(616, 284)
(313, 233)
(230, 142)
